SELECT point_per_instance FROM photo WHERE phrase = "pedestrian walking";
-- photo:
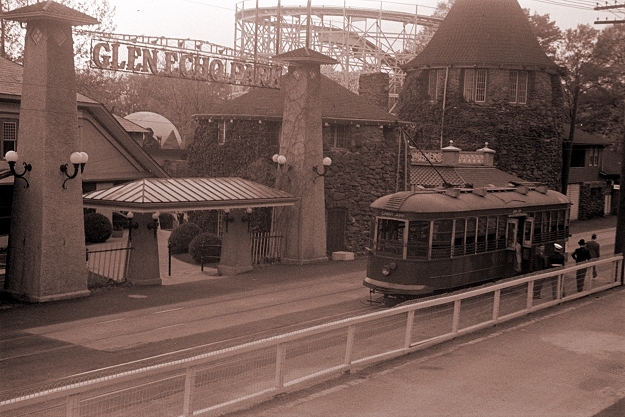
(594, 248)
(556, 259)
(538, 264)
(581, 254)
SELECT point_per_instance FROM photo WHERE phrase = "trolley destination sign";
(128, 57)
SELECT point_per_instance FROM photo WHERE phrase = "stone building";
(369, 157)
(483, 77)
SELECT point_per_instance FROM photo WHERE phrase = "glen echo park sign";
(120, 56)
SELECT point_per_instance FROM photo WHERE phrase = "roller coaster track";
(362, 40)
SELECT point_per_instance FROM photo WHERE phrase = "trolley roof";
(456, 200)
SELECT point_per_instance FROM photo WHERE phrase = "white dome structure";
(163, 129)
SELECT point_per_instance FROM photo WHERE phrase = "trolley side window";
(459, 237)
(418, 239)
(481, 234)
(390, 237)
(502, 223)
(538, 222)
(491, 237)
(470, 236)
(441, 238)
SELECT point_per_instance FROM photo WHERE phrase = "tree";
(13, 34)
(582, 74)
(548, 34)
(610, 54)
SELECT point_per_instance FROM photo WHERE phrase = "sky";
(214, 20)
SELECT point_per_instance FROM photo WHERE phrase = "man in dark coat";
(595, 251)
(581, 254)
(538, 264)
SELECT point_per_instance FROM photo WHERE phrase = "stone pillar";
(236, 255)
(47, 240)
(303, 225)
(143, 265)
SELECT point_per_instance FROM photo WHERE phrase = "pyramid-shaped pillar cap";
(51, 11)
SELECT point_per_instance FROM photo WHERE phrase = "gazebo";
(152, 195)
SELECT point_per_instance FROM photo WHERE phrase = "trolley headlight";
(386, 269)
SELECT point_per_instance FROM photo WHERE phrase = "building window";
(518, 87)
(594, 157)
(8, 136)
(436, 82)
(221, 136)
(335, 135)
(475, 85)
(578, 158)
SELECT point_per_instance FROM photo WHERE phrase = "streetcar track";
(249, 310)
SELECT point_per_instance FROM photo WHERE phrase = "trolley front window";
(390, 237)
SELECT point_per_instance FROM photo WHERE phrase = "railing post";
(189, 391)
(530, 295)
(349, 345)
(409, 325)
(456, 317)
(280, 361)
(496, 304)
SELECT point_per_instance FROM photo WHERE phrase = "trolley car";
(430, 241)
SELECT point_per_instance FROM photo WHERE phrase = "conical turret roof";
(484, 33)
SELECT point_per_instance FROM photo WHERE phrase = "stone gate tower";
(483, 77)
(47, 240)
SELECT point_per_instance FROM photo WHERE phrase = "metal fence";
(215, 382)
(109, 263)
(265, 247)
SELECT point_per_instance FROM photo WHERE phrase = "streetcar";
(436, 240)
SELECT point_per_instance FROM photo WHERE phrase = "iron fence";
(110, 263)
(228, 378)
(265, 247)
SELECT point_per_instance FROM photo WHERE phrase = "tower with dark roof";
(483, 77)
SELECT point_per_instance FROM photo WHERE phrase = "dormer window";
(475, 85)
(518, 87)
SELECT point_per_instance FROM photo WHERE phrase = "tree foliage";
(14, 33)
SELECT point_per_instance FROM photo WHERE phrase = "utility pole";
(619, 240)
(2, 50)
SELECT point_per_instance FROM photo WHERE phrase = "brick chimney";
(374, 87)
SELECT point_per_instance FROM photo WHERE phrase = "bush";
(166, 221)
(98, 228)
(181, 236)
(205, 248)
(207, 220)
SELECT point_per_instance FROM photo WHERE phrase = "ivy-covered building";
(369, 158)
(483, 77)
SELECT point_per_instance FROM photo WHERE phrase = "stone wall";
(591, 200)
(527, 138)
(361, 174)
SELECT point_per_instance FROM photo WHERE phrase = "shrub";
(207, 220)
(98, 228)
(166, 221)
(181, 236)
(205, 248)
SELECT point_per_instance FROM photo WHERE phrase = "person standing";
(556, 259)
(538, 264)
(594, 249)
(581, 254)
